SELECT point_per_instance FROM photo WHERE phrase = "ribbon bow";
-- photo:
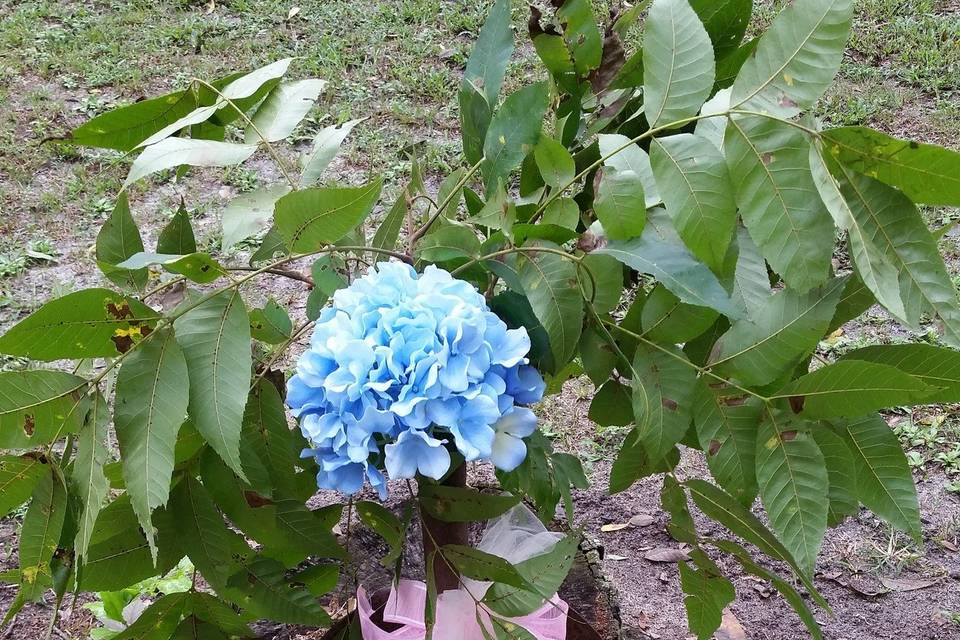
(458, 616)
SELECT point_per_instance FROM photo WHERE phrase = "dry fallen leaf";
(730, 628)
(641, 520)
(609, 528)
(614, 557)
(907, 584)
(665, 555)
(293, 11)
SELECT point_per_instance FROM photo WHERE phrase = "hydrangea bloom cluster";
(400, 366)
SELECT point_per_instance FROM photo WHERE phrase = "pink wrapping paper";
(456, 616)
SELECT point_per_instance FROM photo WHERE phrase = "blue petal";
(508, 452)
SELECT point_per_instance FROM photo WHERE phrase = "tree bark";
(441, 533)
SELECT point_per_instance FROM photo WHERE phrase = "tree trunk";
(444, 533)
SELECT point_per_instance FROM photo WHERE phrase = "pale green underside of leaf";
(173, 152)
(628, 156)
(758, 349)
(693, 178)
(876, 271)
(151, 404)
(884, 483)
(248, 213)
(894, 226)
(796, 59)
(678, 65)
(215, 338)
(793, 483)
(326, 144)
(770, 167)
(658, 252)
(283, 109)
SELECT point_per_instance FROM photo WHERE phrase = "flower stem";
(437, 533)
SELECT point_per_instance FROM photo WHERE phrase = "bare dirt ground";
(398, 61)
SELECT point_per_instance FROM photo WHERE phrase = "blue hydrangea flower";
(402, 366)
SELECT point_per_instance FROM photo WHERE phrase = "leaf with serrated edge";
(310, 218)
(726, 428)
(796, 58)
(853, 388)
(892, 222)
(884, 483)
(215, 338)
(151, 404)
(89, 323)
(936, 366)
(722, 507)
(678, 65)
(550, 282)
(792, 476)
(88, 477)
(769, 165)
(693, 178)
(758, 349)
(174, 152)
(662, 397)
(927, 173)
(657, 253)
(283, 109)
